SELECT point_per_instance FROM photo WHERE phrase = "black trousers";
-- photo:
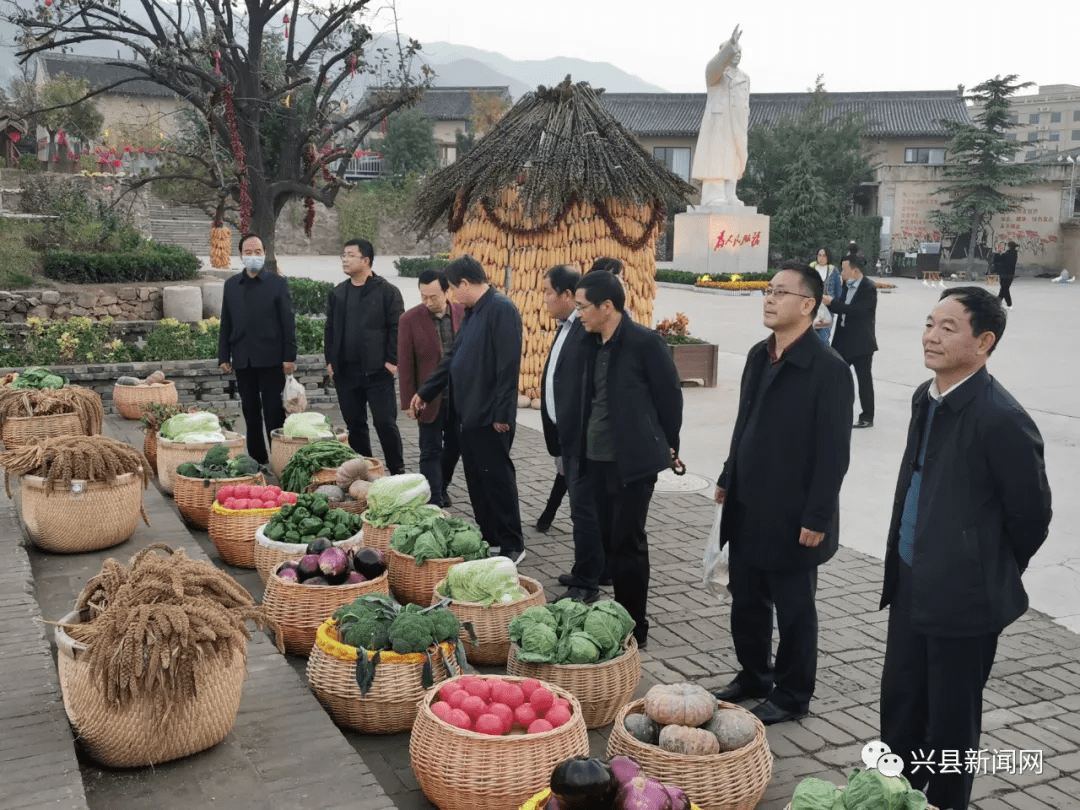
(866, 384)
(789, 681)
(589, 554)
(555, 499)
(621, 511)
(439, 450)
(260, 400)
(931, 700)
(492, 482)
(355, 394)
(1006, 283)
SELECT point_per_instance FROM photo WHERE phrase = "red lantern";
(352, 65)
(286, 21)
(14, 137)
(217, 63)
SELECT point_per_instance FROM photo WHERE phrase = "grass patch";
(20, 262)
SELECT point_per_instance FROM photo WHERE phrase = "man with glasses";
(360, 342)
(780, 491)
(854, 337)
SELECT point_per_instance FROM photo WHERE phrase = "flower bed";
(708, 283)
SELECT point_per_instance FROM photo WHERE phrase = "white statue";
(720, 155)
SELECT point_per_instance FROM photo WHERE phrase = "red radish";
(524, 715)
(225, 492)
(276, 490)
(457, 698)
(459, 719)
(528, 686)
(561, 702)
(513, 696)
(538, 726)
(290, 497)
(242, 503)
(474, 706)
(479, 688)
(504, 713)
(270, 505)
(242, 490)
(541, 699)
(448, 689)
(557, 716)
(230, 503)
(441, 710)
(489, 724)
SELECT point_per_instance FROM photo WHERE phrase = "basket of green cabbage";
(488, 594)
(865, 790)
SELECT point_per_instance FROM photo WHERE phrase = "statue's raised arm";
(720, 154)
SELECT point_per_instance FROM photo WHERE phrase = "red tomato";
(256, 493)
(270, 505)
(557, 716)
(480, 688)
(541, 699)
(448, 689)
(474, 706)
(513, 696)
(230, 503)
(241, 503)
(460, 719)
(242, 491)
(528, 686)
(441, 710)
(225, 493)
(538, 726)
(524, 715)
(561, 702)
(275, 490)
(504, 713)
(489, 724)
(457, 698)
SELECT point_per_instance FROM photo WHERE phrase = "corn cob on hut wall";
(557, 181)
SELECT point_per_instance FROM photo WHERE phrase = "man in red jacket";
(425, 333)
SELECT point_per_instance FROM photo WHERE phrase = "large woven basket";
(414, 583)
(195, 496)
(378, 536)
(282, 447)
(464, 770)
(269, 554)
(603, 689)
(18, 431)
(300, 609)
(149, 448)
(232, 531)
(538, 802)
(87, 516)
(489, 623)
(732, 780)
(135, 733)
(391, 704)
(132, 400)
(171, 455)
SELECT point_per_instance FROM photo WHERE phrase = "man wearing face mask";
(257, 341)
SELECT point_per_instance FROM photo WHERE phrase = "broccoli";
(412, 633)
(189, 470)
(447, 626)
(243, 465)
(216, 456)
(370, 632)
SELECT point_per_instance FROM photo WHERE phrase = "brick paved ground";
(282, 735)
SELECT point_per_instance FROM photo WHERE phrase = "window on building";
(1030, 155)
(1076, 115)
(1014, 119)
(1010, 136)
(676, 158)
(1033, 136)
(1055, 135)
(1033, 118)
(1055, 118)
(923, 154)
(1076, 135)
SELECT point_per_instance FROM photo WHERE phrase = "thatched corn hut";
(556, 181)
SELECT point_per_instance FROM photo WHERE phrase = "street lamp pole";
(1071, 207)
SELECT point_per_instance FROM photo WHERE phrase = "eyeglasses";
(583, 307)
(774, 292)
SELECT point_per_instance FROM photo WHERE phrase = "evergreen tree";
(981, 165)
(409, 145)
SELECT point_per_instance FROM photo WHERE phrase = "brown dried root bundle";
(17, 402)
(61, 459)
(155, 627)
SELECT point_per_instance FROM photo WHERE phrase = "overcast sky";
(863, 45)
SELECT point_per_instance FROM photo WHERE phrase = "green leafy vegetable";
(39, 378)
(312, 457)
(817, 794)
(483, 581)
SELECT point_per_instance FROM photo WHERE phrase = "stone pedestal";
(212, 294)
(722, 239)
(185, 304)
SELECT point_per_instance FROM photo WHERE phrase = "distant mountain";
(459, 62)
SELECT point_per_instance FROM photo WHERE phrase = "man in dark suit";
(972, 506)
(425, 334)
(780, 488)
(257, 341)
(630, 420)
(1005, 267)
(560, 414)
(854, 337)
(361, 344)
(482, 370)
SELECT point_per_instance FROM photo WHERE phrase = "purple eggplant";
(679, 799)
(308, 567)
(316, 581)
(355, 578)
(289, 575)
(625, 769)
(643, 792)
(334, 562)
(370, 562)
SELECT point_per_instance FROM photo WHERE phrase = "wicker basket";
(489, 623)
(732, 780)
(414, 583)
(149, 448)
(195, 496)
(300, 609)
(132, 400)
(282, 447)
(18, 431)
(464, 770)
(391, 704)
(269, 554)
(136, 734)
(100, 515)
(378, 536)
(537, 802)
(232, 531)
(603, 689)
(171, 455)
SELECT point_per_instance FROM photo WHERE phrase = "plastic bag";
(715, 563)
(293, 396)
(824, 317)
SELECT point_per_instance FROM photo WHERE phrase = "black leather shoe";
(770, 714)
(735, 692)
(605, 582)
(566, 580)
(580, 594)
(446, 499)
(864, 423)
(542, 526)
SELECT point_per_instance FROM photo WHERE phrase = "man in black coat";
(482, 369)
(257, 341)
(854, 336)
(972, 506)
(360, 341)
(1005, 267)
(560, 414)
(631, 415)
(780, 489)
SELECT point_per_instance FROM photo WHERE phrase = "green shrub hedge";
(309, 297)
(412, 268)
(152, 262)
(675, 276)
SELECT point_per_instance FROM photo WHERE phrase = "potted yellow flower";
(695, 360)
